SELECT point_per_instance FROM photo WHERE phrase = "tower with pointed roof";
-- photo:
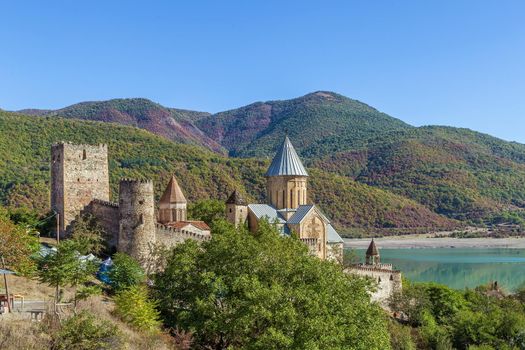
(172, 205)
(286, 179)
(372, 254)
(236, 209)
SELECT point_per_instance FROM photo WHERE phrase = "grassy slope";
(24, 171)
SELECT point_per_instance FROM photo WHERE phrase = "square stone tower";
(79, 174)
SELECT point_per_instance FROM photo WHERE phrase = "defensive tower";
(286, 185)
(236, 209)
(372, 254)
(136, 218)
(79, 174)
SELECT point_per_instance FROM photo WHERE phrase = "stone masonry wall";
(388, 282)
(170, 237)
(107, 214)
(79, 174)
(137, 218)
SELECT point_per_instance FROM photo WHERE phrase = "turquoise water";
(459, 267)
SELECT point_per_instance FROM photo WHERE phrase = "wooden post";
(6, 286)
(58, 228)
(57, 289)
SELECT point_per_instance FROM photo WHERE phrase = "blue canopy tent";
(102, 273)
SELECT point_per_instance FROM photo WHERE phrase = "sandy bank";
(446, 242)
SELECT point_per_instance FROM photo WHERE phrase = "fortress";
(80, 185)
(388, 280)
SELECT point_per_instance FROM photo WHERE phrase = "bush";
(86, 331)
(125, 272)
(400, 338)
(134, 307)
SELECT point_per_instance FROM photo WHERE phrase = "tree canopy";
(264, 291)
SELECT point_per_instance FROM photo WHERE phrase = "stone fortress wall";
(107, 214)
(136, 217)
(169, 236)
(388, 280)
(79, 174)
(80, 185)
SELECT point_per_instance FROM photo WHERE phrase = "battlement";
(105, 203)
(372, 268)
(181, 234)
(135, 181)
(69, 144)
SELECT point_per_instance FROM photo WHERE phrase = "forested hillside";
(318, 123)
(457, 173)
(24, 172)
(171, 123)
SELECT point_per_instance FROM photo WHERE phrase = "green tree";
(134, 307)
(264, 291)
(207, 210)
(17, 244)
(88, 234)
(125, 272)
(65, 268)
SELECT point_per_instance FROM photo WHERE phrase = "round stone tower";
(136, 218)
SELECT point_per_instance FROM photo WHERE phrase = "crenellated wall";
(388, 281)
(171, 237)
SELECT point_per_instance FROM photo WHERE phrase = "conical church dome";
(173, 194)
(286, 162)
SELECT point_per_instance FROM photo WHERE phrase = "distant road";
(446, 242)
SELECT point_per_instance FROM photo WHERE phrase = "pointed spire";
(236, 198)
(173, 193)
(372, 249)
(286, 162)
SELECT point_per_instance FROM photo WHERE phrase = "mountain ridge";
(456, 172)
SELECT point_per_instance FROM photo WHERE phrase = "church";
(289, 207)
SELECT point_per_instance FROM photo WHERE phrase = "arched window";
(84, 155)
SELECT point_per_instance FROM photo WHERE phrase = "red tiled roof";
(201, 225)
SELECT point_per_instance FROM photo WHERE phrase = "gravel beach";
(446, 242)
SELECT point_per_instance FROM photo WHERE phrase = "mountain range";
(394, 175)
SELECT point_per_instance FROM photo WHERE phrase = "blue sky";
(459, 63)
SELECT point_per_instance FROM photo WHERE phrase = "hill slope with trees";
(135, 153)
(458, 173)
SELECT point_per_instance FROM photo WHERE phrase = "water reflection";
(459, 268)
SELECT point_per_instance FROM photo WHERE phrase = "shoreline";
(415, 242)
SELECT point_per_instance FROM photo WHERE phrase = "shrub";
(86, 331)
(125, 272)
(134, 307)
(400, 338)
